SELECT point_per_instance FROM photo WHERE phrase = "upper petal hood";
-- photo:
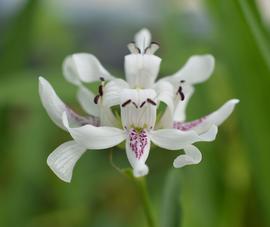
(141, 70)
(84, 67)
(142, 39)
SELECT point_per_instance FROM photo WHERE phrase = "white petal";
(197, 69)
(141, 70)
(181, 105)
(203, 124)
(86, 99)
(137, 149)
(55, 107)
(107, 117)
(173, 139)
(63, 159)
(143, 39)
(192, 156)
(166, 94)
(93, 137)
(112, 91)
(84, 67)
(51, 102)
(179, 112)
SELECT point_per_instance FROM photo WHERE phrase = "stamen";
(100, 90)
(151, 101)
(180, 92)
(102, 78)
(142, 104)
(182, 81)
(135, 105)
(96, 99)
(126, 102)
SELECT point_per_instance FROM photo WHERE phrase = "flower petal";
(63, 159)
(84, 67)
(203, 124)
(141, 70)
(166, 94)
(137, 149)
(112, 91)
(86, 99)
(93, 137)
(197, 69)
(55, 107)
(142, 39)
(192, 156)
(181, 105)
(173, 139)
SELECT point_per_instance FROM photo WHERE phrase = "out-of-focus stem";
(148, 210)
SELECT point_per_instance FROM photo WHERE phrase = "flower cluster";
(138, 98)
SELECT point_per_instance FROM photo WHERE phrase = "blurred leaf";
(17, 40)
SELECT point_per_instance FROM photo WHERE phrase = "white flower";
(138, 115)
(138, 99)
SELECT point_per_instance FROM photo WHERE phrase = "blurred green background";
(230, 188)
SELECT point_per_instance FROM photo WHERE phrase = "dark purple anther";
(96, 99)
(180, 91)
(126, 102)
(135, 105)
(151, 102)
(142, 104)
(100, 90)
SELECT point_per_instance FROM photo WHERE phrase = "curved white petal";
(197, 69)
(86, 99)
(141, 70)
(84, 67)
(55, 107)
(137, 149)
(93, 137)
(63, 159)
(203, 124)
(192, 156)
(173, 139)
(142, 39)
(51, 102)
(112, 91)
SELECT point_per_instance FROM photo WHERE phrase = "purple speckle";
(138, 142)
(185, 126)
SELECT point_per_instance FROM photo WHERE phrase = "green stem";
(148, 210)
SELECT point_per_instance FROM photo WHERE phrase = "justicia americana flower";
(138, 122)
